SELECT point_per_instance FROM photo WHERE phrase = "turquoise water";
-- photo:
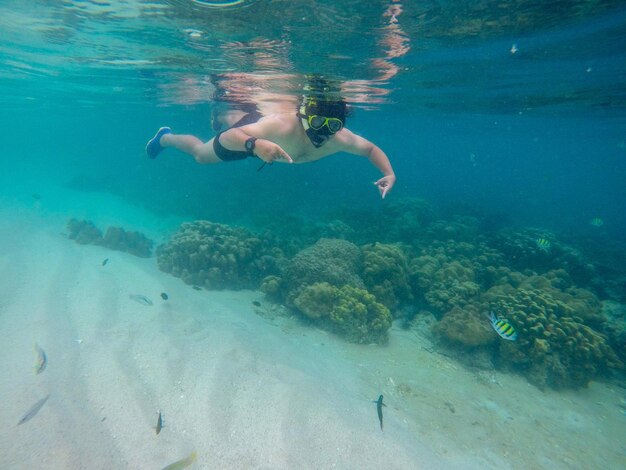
(505, 124)
(538, 133)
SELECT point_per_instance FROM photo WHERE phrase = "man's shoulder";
(282, 117)
(282, 123)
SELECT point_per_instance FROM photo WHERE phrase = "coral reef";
(134, 243)
(218, 256)
(465, 326)
(448, 274)
(337, 262)
(272, 286)
(385, 274)
(459, 229)
(348, 311)
(402, 259)
(115, 238)
(399, 220)
(522, 253)
(555, 346)
(84, 232)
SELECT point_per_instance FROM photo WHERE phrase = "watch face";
(250, 144)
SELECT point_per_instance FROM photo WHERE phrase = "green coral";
(449, 274)
(521, 252)
(555, 346)
(317, 300)
(385, 274)
(337, 262)
(467, 326)
(272, 286)
(348, 311)
(217, 256)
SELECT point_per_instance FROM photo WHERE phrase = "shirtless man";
(315, 132)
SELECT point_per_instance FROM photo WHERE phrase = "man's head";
(324, 114)
(322, 117)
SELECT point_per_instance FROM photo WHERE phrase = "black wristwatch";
(250, 145)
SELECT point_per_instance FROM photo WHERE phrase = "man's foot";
(153, 148)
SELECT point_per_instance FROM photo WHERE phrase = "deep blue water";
(538, 133)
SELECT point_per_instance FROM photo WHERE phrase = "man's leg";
(202, 152)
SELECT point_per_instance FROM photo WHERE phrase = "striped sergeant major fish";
(543, 244)
(503, 327)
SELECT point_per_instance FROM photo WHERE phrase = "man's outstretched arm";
(359, 146)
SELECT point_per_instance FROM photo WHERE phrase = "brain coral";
(217, 256)
(348, 311)
(337, 262)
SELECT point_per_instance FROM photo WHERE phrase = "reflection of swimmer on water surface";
(314, 131)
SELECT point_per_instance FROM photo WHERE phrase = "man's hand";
(270, 152)
(385, 184)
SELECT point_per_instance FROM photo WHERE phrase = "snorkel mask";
(322, 119)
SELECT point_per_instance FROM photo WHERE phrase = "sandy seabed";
(245, 386)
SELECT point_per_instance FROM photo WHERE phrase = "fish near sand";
(33, 410)
(503, 327)
(379, 409)
(182, 463)
(42, 359)
(142, 299)
(105, 261)
(159, 424)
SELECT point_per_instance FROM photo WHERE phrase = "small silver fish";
(33, 410)
(42, 359)
(142, 299)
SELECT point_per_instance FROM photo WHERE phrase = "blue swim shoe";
(153, 148)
